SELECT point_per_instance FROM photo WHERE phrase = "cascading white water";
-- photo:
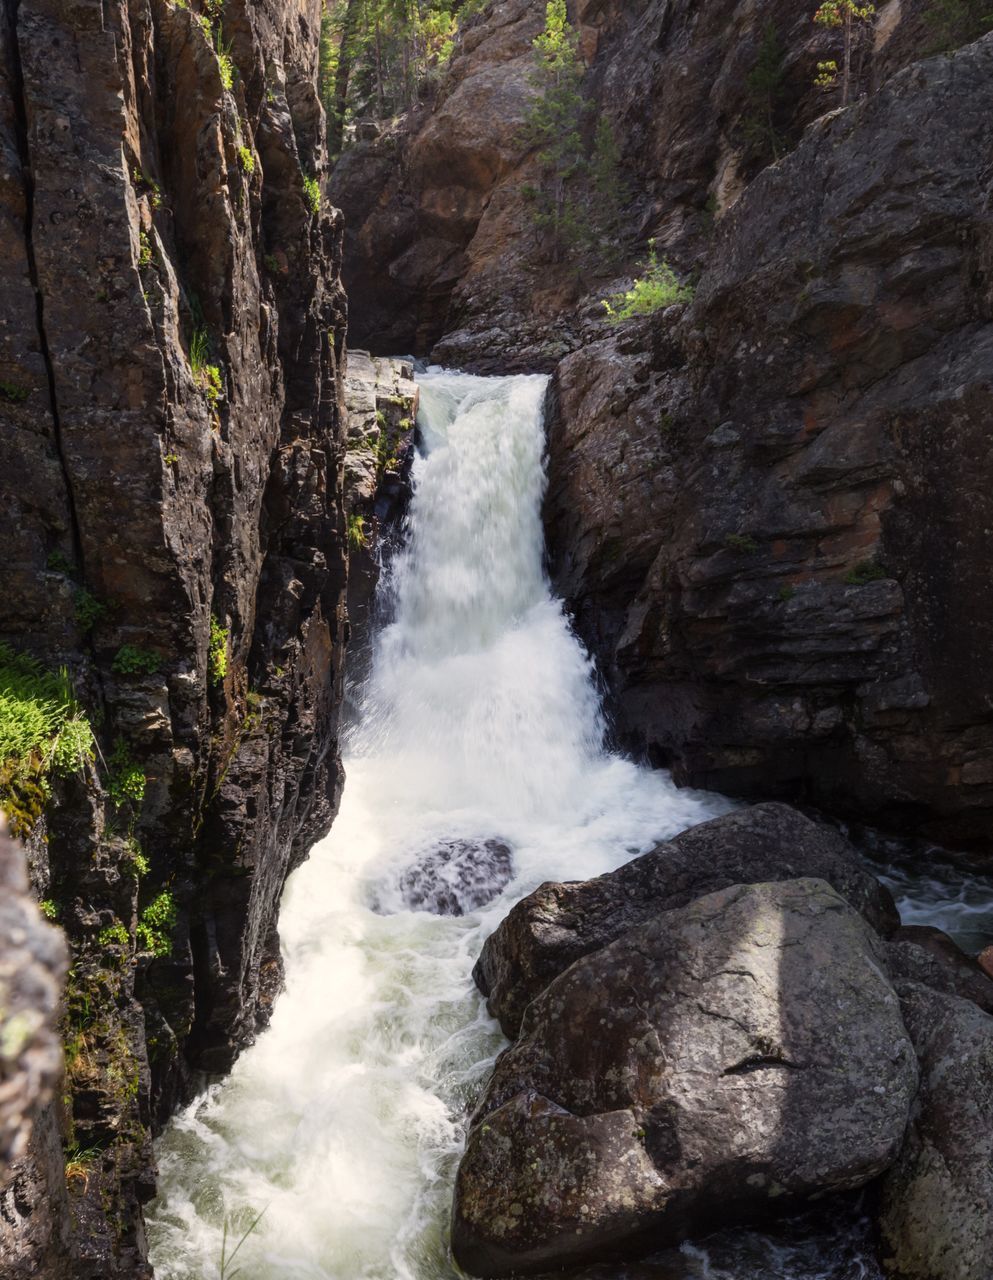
(480, 720)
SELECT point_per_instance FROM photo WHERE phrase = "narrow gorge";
(496, 723)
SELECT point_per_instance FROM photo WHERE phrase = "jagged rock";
(767, 509)
(726, 1059)
(919, 953)
(455, 877)
(935, 1215)
(558, 923)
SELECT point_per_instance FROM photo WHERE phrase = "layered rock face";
(172, 450)
(690, 1056)
(770, 512)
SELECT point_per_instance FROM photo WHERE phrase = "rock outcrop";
(171, 338)
(935, 1213)
(728, 1059)
(559, 923)
(769, 511)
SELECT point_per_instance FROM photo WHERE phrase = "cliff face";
(171, 335)
(767, 511)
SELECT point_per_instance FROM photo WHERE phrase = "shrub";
(659, 287)
(246, 159)
(156, 923)
(49, 909)
(144, 250)
(866, 572)
(58, 563)
(130, 661)
(312, 193)
(207, 376)
(114, 935)
(12, 392)
(357, 536)
(217, 655)
(42, 731)
(136, 864)
(88, 609)
(126, 781)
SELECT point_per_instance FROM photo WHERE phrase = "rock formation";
(717, 1062)
(171, 340)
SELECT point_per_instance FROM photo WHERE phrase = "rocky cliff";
(171, 340)
(767, 510)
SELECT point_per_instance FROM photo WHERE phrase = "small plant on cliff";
(132, 661)
(217, 653)
(246, 159)
(764, 84)
(80, 1163)
(126, 780)
(855, 21)
(13, 392)
(114, 935)
(144, 250)
(156, 923)
(741, 542)
(49, 909)
(865, 572)
(312, 193)
(42, 731)
(659, 287)
(89, 610)
(207, 376)
(357, 536)
(957, 22)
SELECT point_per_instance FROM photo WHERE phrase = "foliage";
(144, 250)
(741, 542)
(156, 923)
(357, 536)
(42, 731)
(312, 193)
(246, 159)
(659, 287)
(207, 376)
(130, 660)
(79, 1162)
(786, 594)
(126, 781)
(49, 909)
(114, 935)
(957, 22)
(136, 863)
(764, 84)
(855, 22)
(865, 572)
(13, 392)
(217, 653)
(88, 609)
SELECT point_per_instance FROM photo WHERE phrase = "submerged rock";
(725, 1060)
(455, 877)
(558, 923)
(935, 1217)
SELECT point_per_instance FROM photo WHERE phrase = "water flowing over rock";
(935, 1214)
(457, 876)
(559, 923)
(729, 1058)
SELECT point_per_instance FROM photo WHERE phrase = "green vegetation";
(126, 781)
(855, 21)
(226, 1270)
(114, 935)
(49, 909)
(171, 459)
(88, 608)
(43, 731)
(136, 864)
(217, 653)
(207, 376)
(13, 392)
(58, 563)
(765, 84)
(865, 572)
(357, 536)
(579, 196)
(246, 159)
(312, 193)
(79, 1163)
(741, 542)
(130, 661)
(144, 250)
(156, 923)
(786, 594)
(271, 264)
(659, 287)
(957, 22)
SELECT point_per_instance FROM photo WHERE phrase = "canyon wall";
(171, 343)
(767, 510)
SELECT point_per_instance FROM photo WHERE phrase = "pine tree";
(854, 21)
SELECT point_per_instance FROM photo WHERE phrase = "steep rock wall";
(171, 336)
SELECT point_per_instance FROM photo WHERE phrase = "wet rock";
(727, 1059)
(457, 877)
(559, 923)
(935, 1218)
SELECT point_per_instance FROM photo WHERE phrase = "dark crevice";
(759, 1062)
(10, 9)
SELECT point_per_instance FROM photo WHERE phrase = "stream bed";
(479, 732)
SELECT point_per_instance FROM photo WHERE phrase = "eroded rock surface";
(558, 923)
(935, 1215)
(729, 1058)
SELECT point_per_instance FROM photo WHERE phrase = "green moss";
(130, 660)
(58, 563)
(126, 783)
(741, 542)
(217, 655)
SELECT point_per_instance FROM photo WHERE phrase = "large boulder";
(723, 1060)
(935, 1216)
(558, 923)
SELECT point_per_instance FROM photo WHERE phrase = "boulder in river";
(936, 1221)
(558, 923)
(722, 1061)
(456, 876)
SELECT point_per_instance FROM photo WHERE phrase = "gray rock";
(935, 1217)
(728, 1059)
(558, 923)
